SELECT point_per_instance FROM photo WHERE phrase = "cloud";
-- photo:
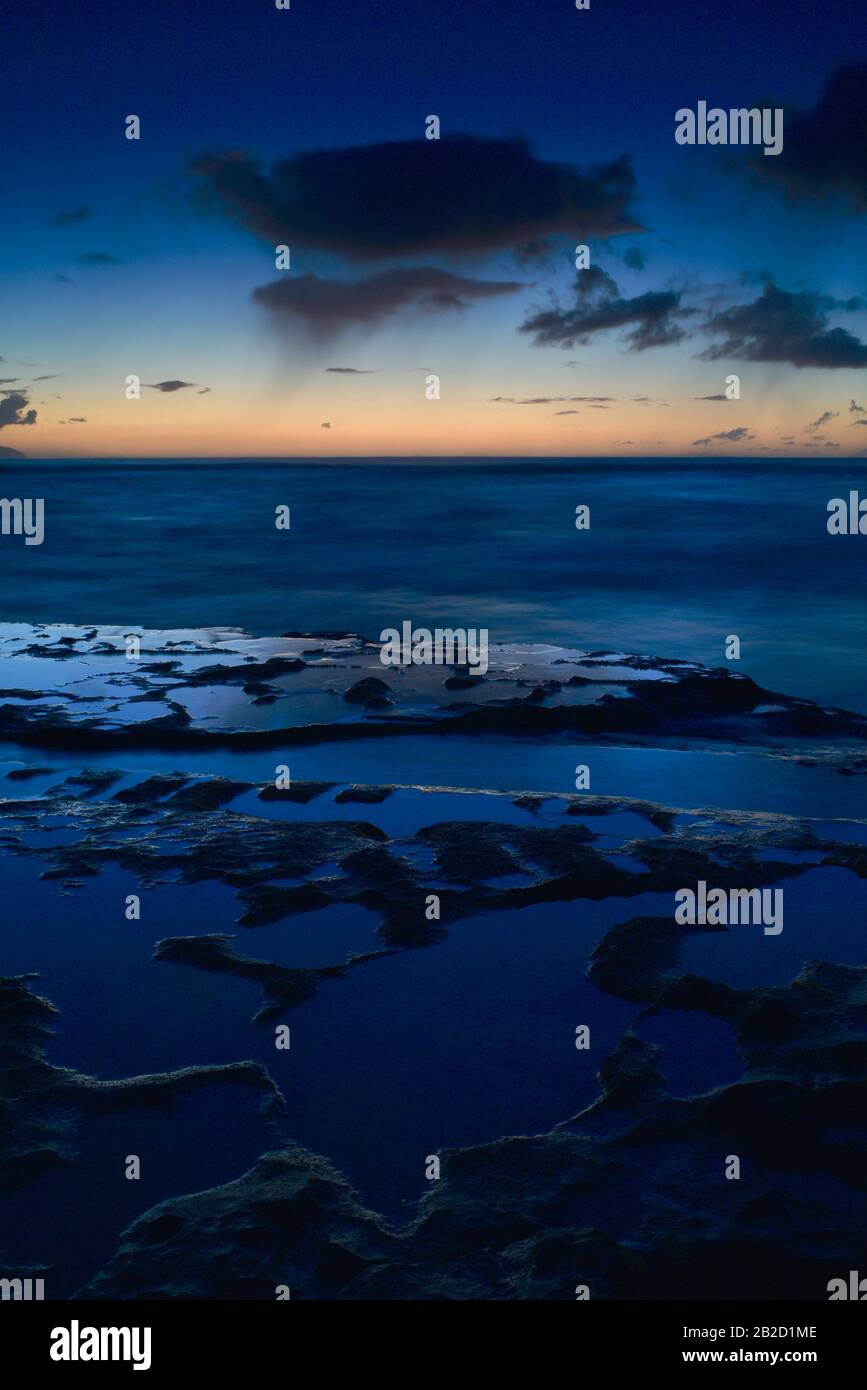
(462, 193)
(97, 258)
(550, 400)
(204, 391)
(535, 252)
(66, 219)
(856, 409)
(634, 258)
(651, 318)
(784, 327)
(12, 411)
(721, 397)
(733, 436)
(326, 425)
(567, 412)
(825, 152)
(78, 419)
(859, 422)
(355, 371)
(168, 385)
(820, 421)
(326, 306)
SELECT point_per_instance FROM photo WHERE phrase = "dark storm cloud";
(741, 432)
(13, 411)
(463, 193)
(327, 306)
(825, 150)
(168, 385)
(651, 318)
(66, 219)
(784, 327)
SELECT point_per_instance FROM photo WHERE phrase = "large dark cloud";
(327, 306)
(462, 193)
(652, 319)
(13, 411)
(825, 150)
(784, 327)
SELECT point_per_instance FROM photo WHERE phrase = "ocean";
(678, 556)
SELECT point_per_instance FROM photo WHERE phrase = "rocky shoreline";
(629, 1195)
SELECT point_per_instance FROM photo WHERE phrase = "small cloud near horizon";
(731, 436)
(13, 410)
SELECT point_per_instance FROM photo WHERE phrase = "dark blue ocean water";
(679, 554)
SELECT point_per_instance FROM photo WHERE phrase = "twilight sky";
(411, 256)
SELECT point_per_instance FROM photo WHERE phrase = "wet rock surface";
(629, 1195)
(264, 692)
(43, 1106)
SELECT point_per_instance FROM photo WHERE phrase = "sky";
(431, 305)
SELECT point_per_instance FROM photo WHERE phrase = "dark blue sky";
(220, 73)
